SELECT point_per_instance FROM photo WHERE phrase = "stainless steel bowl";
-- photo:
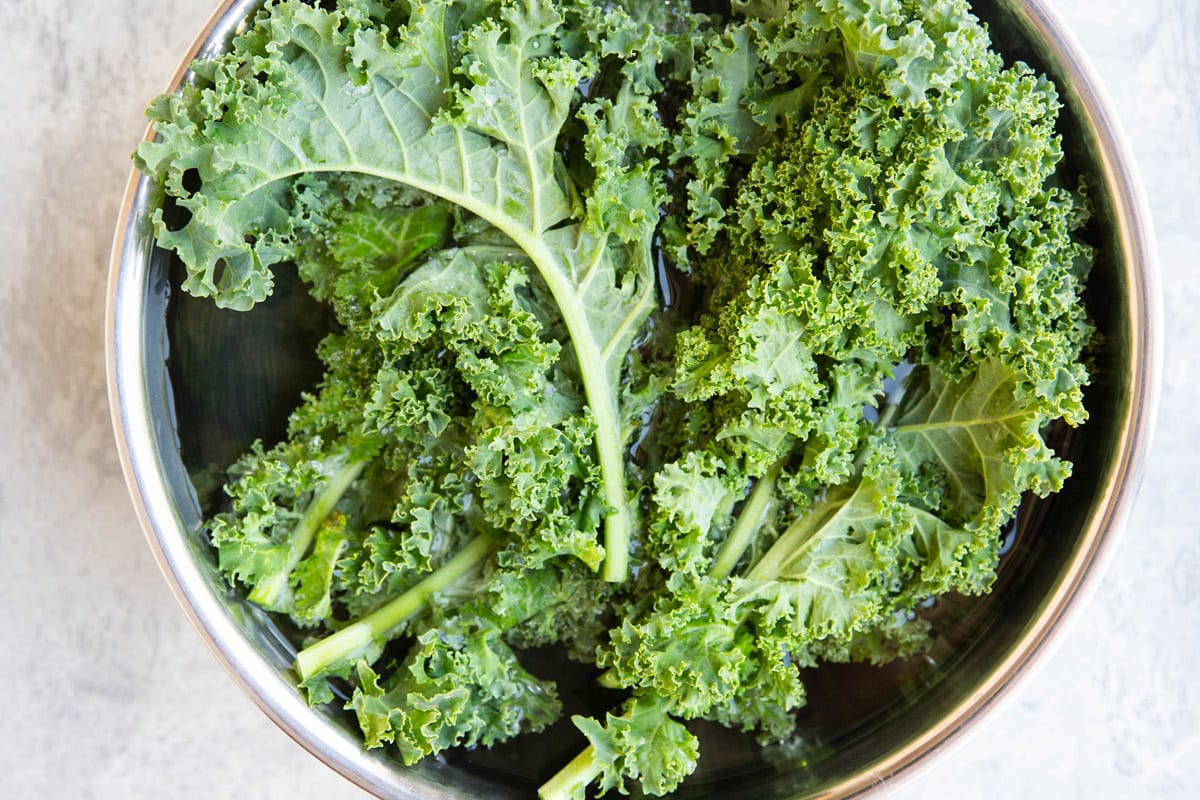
(174, 432)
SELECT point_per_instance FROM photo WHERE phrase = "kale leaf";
(783, 301)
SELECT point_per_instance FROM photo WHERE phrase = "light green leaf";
(982, 439)
(464, 108)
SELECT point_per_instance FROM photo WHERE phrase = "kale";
(859, 193)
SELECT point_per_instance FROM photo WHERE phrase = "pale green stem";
(269, 593)
(749, 522)
(796, 540)
(381, 625)
(573, 779)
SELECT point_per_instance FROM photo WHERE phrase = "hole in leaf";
(191, 181)
(175, 216)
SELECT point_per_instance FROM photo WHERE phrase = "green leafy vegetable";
(462, 106)
(781, 301)
(643, 743)
(426, 707)
(892, 223)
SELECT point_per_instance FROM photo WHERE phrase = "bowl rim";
(166, 534)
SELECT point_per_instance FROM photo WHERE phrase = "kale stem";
(573, 779)
(601, 392)
(381, 625)
(799, 537)
(749, 522)
(269, 593)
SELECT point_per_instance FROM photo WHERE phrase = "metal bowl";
(190, 387)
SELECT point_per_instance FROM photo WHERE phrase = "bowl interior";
(214, 381)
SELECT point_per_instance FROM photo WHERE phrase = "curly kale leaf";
(978, 441)
(643, 744)
(556, 603)
(914, 213)
(530, 458)
(841, 581)
(282, 503)
(464, 101)
(358, 252)
(693, 499)
(486, 432)
(460, 685)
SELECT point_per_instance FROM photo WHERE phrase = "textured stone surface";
(112, 695)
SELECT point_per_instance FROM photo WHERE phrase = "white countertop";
(112, 695)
